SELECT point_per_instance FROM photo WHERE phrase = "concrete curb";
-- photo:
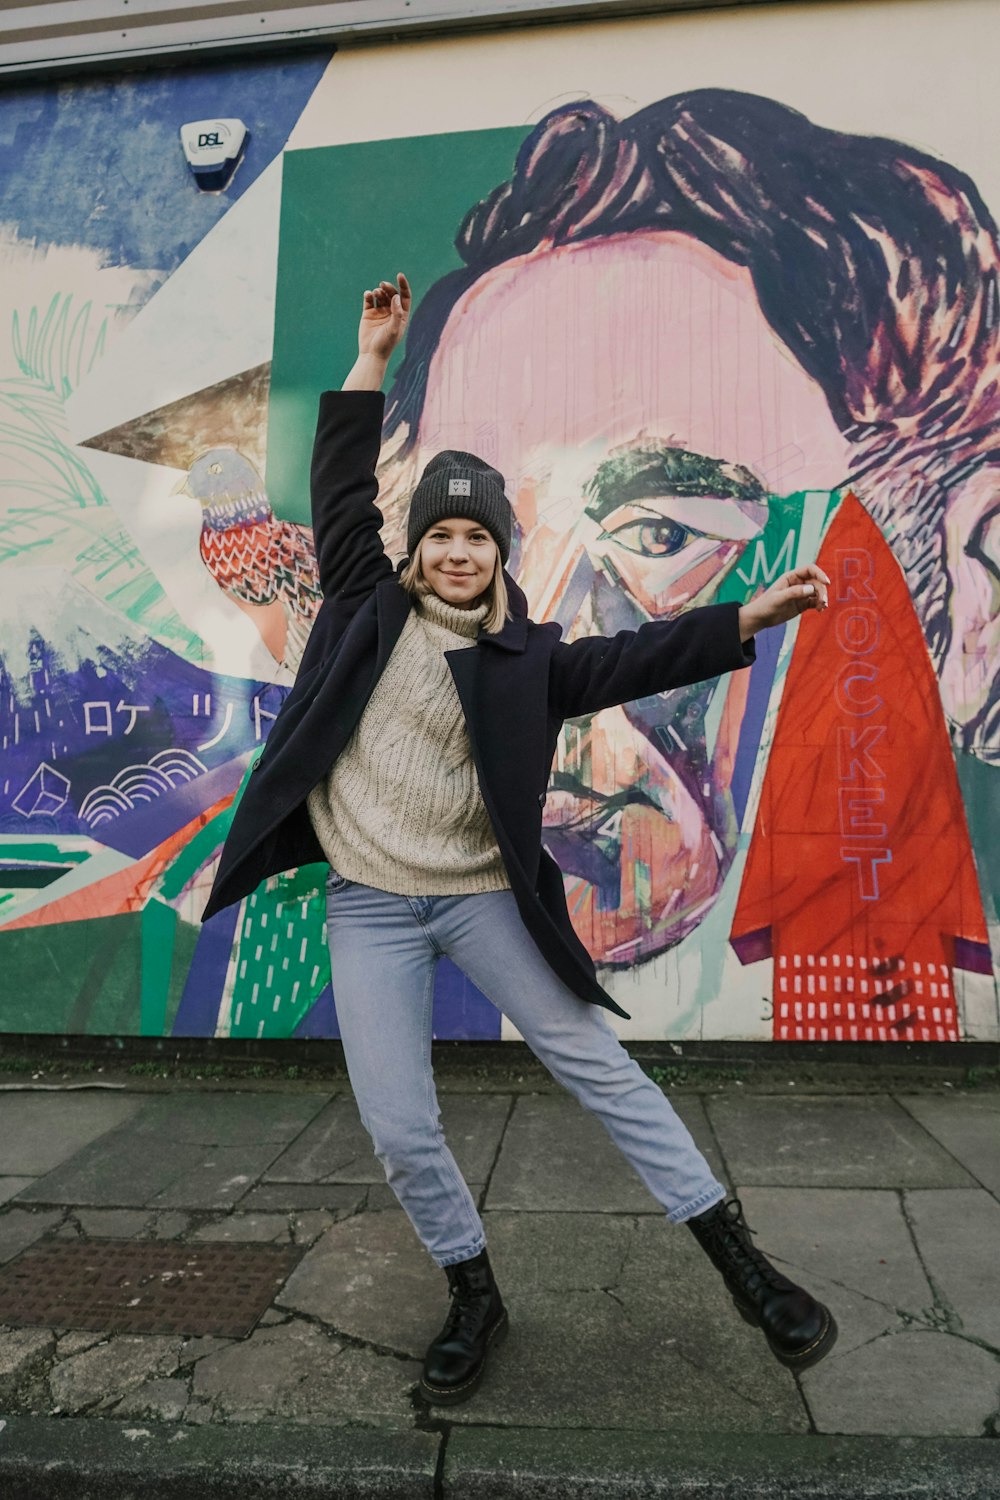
(43, 1458)
(500, 1464)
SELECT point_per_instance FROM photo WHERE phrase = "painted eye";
(655, 537)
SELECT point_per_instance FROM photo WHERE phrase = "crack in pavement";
(512, 1104)
(939, 1143)
(352, 1340)
(925, 1315)
(940, 1300)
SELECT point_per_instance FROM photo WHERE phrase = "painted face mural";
(614, 375)
(686, 343)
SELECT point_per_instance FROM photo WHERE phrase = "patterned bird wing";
(296, 575)
(242, 560)
(297, 581)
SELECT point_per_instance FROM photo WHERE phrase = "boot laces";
(731, 1236)
(465, 1309)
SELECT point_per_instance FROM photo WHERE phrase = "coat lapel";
(392, 606)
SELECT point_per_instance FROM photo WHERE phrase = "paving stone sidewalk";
(626, 1370)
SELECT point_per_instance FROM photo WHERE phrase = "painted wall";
(718, 294)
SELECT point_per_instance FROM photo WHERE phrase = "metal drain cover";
(126, 1286)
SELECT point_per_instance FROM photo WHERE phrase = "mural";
(705, 339)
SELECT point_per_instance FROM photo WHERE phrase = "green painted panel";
(980, 784)
(338, 202)
(73, 977)
(59, 851)
(159, 923)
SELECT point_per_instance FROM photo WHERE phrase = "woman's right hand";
(384, 316)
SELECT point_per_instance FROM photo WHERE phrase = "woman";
(413, 754)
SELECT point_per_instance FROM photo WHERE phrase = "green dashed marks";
(281, 957)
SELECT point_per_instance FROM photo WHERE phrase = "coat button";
(256, 762)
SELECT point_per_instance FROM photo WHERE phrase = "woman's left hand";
(794, 593)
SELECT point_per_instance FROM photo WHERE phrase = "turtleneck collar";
(462, 621)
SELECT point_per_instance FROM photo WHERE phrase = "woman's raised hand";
(385, 312)
(801, 589)
(384, 316)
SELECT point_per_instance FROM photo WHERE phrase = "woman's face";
(579, 372)
(457, 559)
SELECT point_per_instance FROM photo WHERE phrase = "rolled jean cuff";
(452, 1257)
(697, 1205)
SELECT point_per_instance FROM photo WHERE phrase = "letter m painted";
(760, 569)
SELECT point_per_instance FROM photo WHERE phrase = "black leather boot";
(456, 1360)
(799, 1329)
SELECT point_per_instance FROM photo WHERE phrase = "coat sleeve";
(599, 671)
(346, 520)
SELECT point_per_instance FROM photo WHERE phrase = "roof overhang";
(58, 36)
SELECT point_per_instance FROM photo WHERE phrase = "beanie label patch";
(459, 487)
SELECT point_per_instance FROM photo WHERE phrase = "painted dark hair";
(876, 265)
(844, 236)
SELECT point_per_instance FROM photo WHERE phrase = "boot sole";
(452, 1394)
(802, 1359)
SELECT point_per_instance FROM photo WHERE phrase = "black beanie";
(460, 484)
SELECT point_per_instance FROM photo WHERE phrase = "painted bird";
(265, 565)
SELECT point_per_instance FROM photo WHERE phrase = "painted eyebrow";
(643, 473)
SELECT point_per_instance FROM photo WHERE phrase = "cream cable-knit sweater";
(402, 809)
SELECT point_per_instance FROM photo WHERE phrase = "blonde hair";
(495, 596)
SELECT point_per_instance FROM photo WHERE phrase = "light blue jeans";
(383, 952)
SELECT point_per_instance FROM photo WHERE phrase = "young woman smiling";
(413, 755)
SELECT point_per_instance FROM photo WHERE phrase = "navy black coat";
(516, 688)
